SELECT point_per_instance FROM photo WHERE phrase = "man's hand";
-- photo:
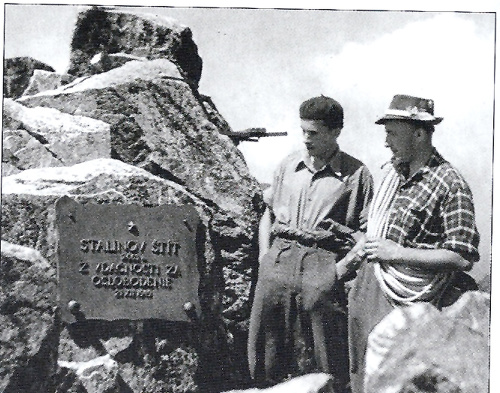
(382, 250)
(353, 259)
(359, 237)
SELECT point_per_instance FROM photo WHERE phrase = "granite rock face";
(309, 383)
(45, 137)
(160, 124)
(17, 72)
(42, 80)
(420, 349)
(29, 333)
(149, 355)
(115, 36)
(128, 126)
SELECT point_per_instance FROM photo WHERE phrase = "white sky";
(259, 65)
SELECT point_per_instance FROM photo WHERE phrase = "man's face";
(401, 139)
(320, 140)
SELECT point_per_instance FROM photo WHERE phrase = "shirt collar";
(335, 163)
(434, 160)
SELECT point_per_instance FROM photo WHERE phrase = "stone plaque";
(127, 261)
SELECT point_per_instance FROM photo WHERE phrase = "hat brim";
(386, 118)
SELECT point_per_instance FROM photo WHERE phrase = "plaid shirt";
(434, 209)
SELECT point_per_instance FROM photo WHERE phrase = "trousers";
(298, 322)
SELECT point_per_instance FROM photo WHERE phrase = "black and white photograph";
(243, 198)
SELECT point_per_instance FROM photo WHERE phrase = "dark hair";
(323, 108)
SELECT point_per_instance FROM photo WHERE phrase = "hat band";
(415, 115)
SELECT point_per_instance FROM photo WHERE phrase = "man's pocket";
(319, 278)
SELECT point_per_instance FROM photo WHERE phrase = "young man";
(421, 228)
(317, 210)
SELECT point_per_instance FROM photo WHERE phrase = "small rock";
(310, 383)
(43, 80)
(419, 349)
(17, 72)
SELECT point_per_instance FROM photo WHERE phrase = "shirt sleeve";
(271, 194)
(366, 196)
(459, 222)
(267, 195)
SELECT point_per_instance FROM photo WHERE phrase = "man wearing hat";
(316, 212)
(421, 231)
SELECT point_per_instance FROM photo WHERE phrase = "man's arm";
(351, 262)
(459, 249)
(264, 233)
(364, 194)
(367, 191)
(383, 250)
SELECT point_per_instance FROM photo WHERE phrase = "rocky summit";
(125, 126)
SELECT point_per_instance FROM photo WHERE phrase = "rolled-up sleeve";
(460, 232)
(364, 197)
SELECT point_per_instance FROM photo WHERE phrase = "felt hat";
(411, 108)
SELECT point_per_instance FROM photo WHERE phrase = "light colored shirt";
(307, 199)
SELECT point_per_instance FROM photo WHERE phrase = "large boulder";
(159, 123)
(45, 137)
(103, 181)
(115, 36)
(129, 127)
(29, 335)
(17, 72)
(420, 349)
(134, 356)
